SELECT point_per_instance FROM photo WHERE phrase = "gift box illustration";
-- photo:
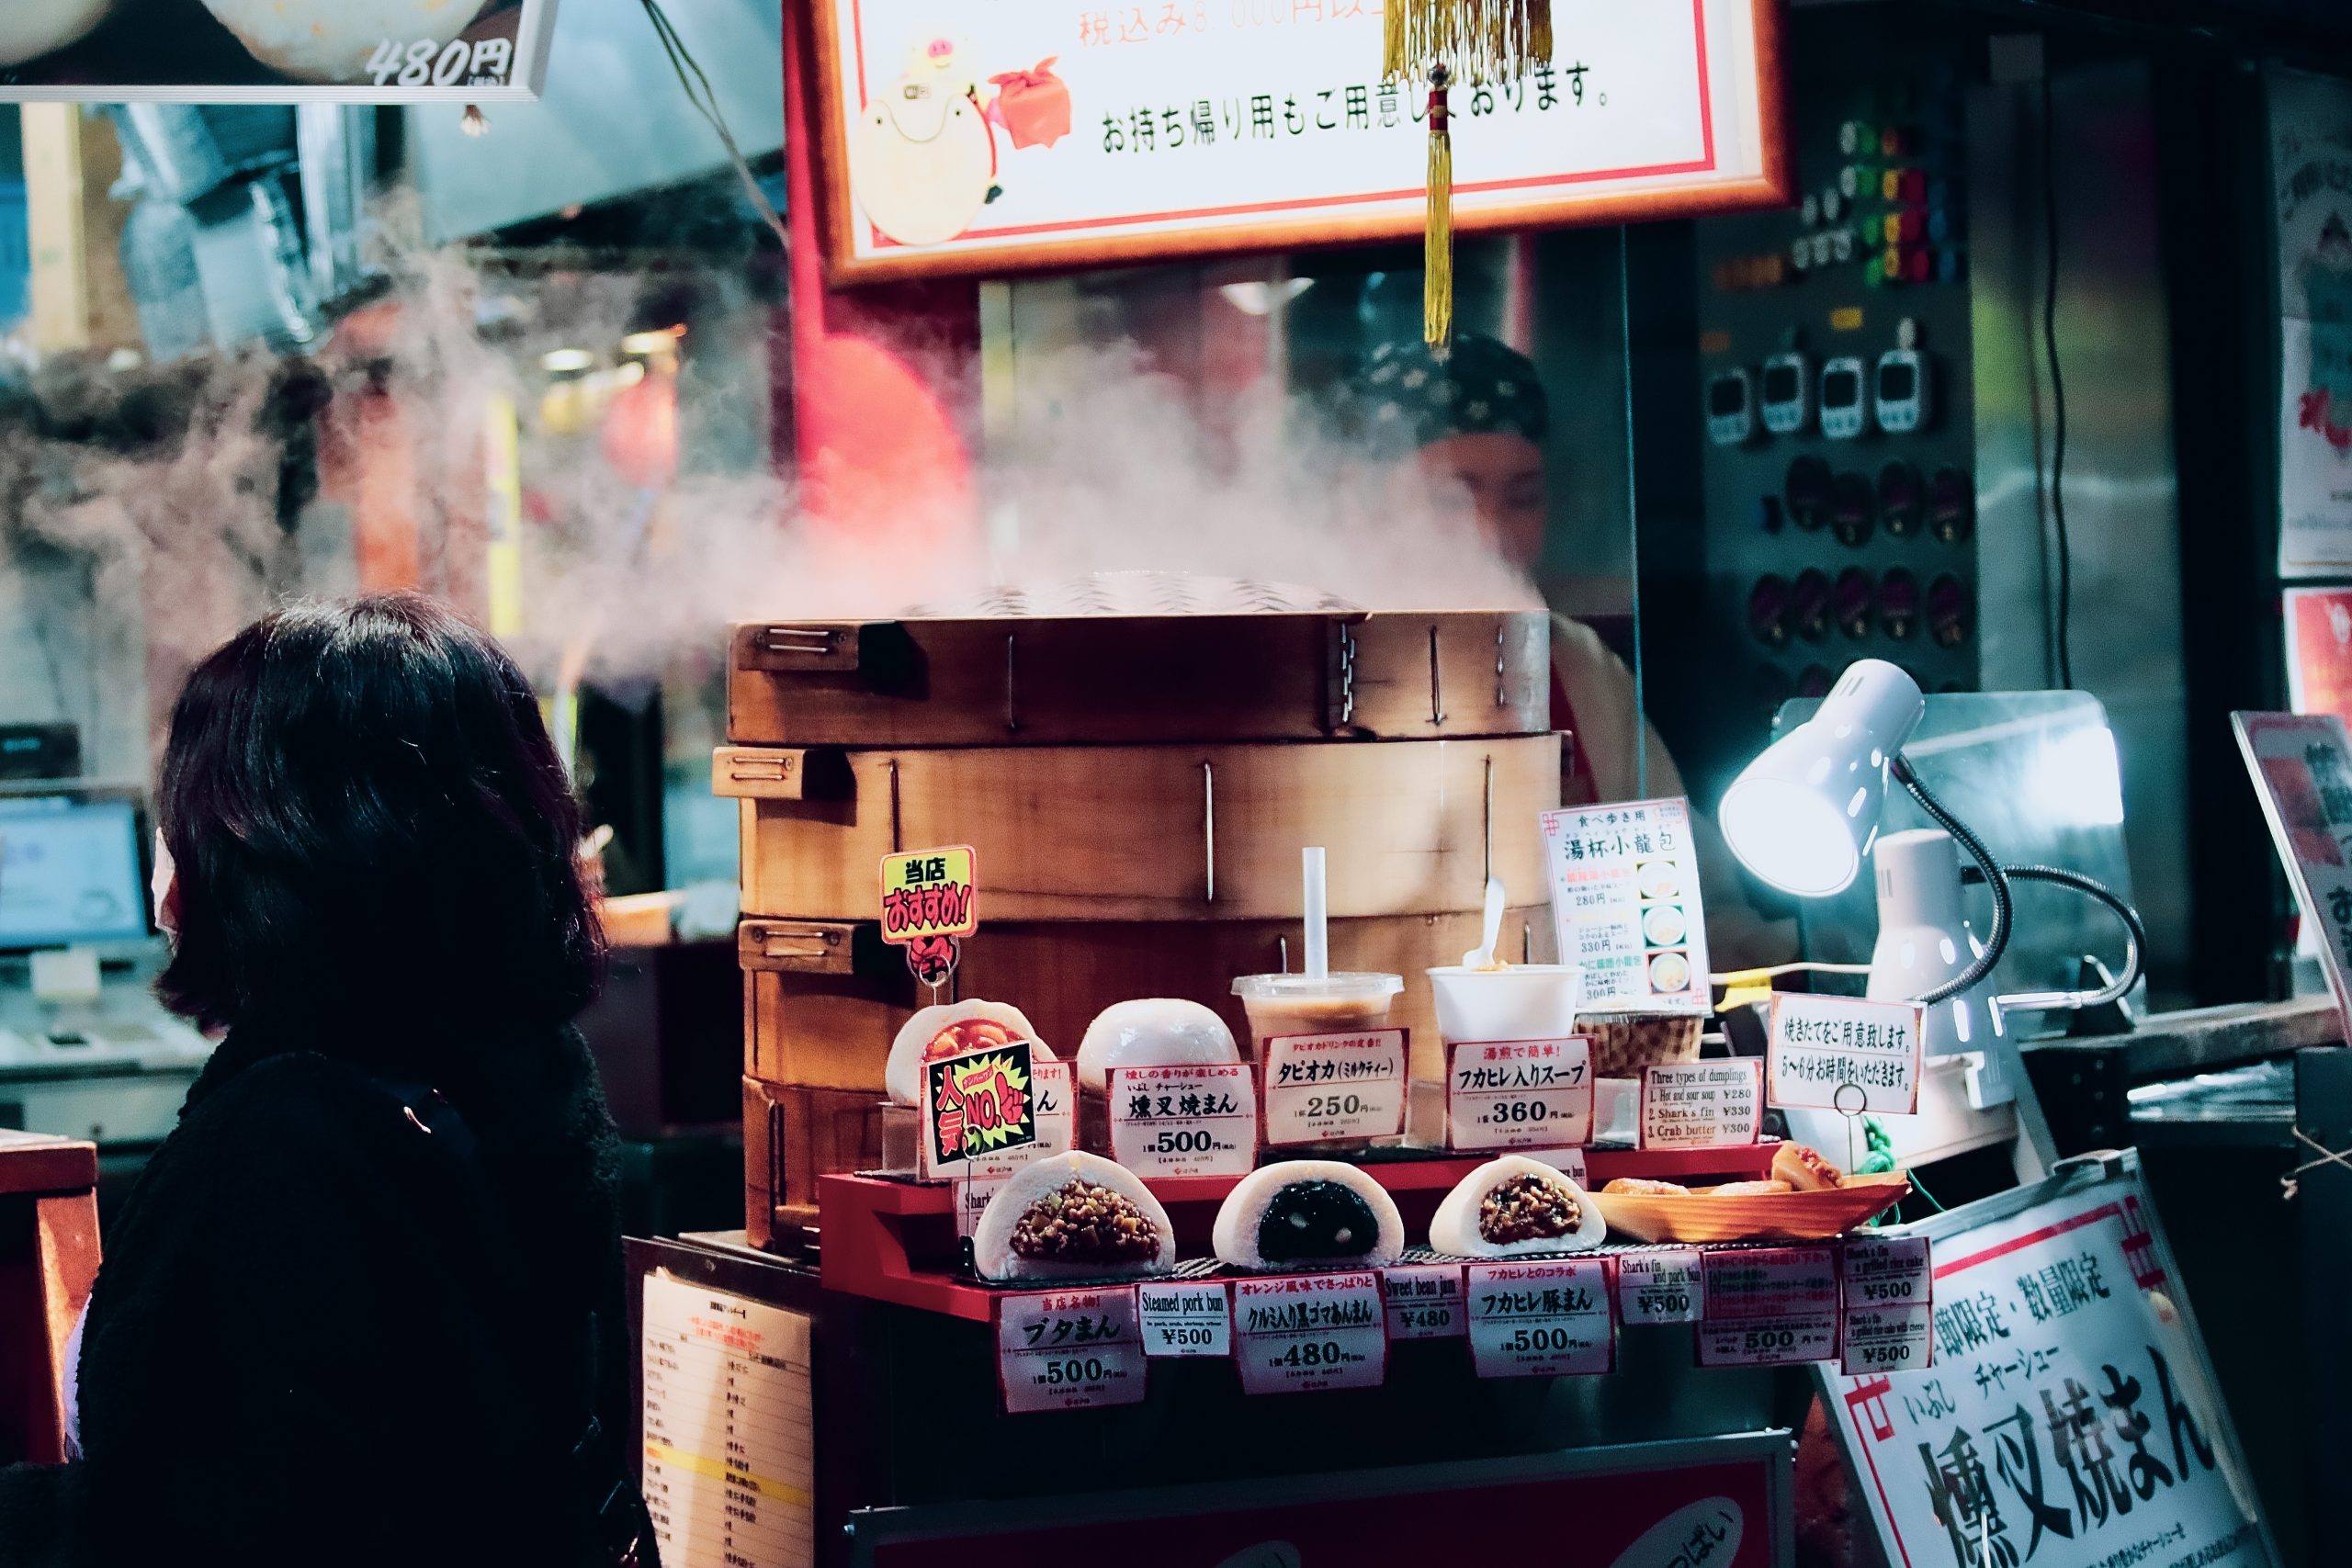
(1034, 105)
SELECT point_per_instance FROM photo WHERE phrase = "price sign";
(1191, 1319)
(1300, 1333)
(1520, 1094)
(1424, 1301)
(1322, 1088)
(1541, 1320)
(1769, 1306)
(982, 1176)
(1069, 1349)
(1625, 904)
(930, 892)
(1701, 1105)
(982, 1103)
(1658, 1286)
(1195, 1121)
(1838, 1053)
(1889, 1324)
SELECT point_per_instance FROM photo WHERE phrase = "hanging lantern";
(1483, 40)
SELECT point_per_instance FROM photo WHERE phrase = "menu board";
(1033, 133)
(730, 1433)
(2070, 1419)
(1626, 907)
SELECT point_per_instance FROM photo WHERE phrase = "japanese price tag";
(1520, 1093)
(979, 1178)
(1889, 1324)
(1424, 1301)
(1541, 1320)
(1069, 1349)
(1298, 1332)
(1190, 1319)
(1658, 1286)
(1625, 904)
(1321, 1088)
(1701, 1105)
(1769, 1306)
(1194, 1121)
(930, 892)
(1838, 1053)
(982, 1103)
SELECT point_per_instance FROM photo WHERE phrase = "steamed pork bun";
(30, 29)
(332, 40)
(1156, 1032)
(952, 1030)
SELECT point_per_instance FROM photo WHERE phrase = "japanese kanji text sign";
(1327, 1087)
(1069, 1349)
(2070, 1419)
(1841, 1053)
(1299, 1333)
(1518, 1094)
(983, 1102)
(930, 892)
(1186, 1120)
(1625, 904)
(1548, 1319)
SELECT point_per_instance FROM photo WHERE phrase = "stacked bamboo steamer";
(1138, 787)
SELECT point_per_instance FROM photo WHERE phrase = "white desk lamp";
(1805, 812)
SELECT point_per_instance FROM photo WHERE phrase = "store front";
(1658, 883)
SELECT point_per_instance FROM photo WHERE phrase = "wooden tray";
(1766, 1217)
(1043, 681)
(1150, 832)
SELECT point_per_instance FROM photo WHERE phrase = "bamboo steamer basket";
(1136, 790)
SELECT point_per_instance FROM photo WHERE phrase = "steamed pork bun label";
(1192, 1317)
(1069, 1349)
(1520, 1094)
(1327, 1087)
(1189, 1120)
(1701, 1105)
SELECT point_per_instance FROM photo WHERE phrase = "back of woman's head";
(371, 830)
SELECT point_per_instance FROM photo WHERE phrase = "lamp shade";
(1802, 815)
(1924, 941)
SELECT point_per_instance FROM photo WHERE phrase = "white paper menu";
(730, 1437)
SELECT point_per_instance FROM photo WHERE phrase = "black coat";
(318, 1338)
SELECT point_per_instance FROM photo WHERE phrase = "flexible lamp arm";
(1996, 935)
(2135, 941)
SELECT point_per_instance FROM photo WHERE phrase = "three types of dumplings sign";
(930, 903)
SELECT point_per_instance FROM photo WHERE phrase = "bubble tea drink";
(1308, 1004)
(1340, 1119)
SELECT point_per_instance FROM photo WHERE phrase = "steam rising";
(183, 495)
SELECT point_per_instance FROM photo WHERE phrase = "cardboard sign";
(1190, 1318)
(1541, 1320)
(982, 1102)
(1069, 1349)
(1192, 1121)
(1518, 1094)
(980, 1177)
(1333, 1087)
(981, 140)
(1424, 1301)
(1701, 1105)
(930, 892)
(1626, 907)
(2303, 771)
(1842, 1053)
(1658, 1286)
(2068, 1381)
(1769, 1306)
(1300, 1333)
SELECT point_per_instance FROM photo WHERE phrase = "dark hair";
(1403, 396)
(372, 831)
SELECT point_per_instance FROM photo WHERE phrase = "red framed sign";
(1030, 135)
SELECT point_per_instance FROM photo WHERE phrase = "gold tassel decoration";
(1436, 252)
(1485, 41)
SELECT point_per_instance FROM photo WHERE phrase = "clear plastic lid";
(1352, 988)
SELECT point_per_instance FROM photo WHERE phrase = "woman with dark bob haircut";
(364, 1305)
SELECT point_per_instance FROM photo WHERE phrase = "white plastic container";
(1526, 1001)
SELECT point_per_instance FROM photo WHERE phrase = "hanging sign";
(2071, 1419)
(931, 901)
(2303, 771)
(1069, 1350)
(1625, 905)
(1840, 1054)
(273, 51)
(1053, 133)
(981, 1176)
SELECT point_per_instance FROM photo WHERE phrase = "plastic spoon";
(1483, 955)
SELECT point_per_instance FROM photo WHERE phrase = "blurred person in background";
(1468, 432)
(364, 1305)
